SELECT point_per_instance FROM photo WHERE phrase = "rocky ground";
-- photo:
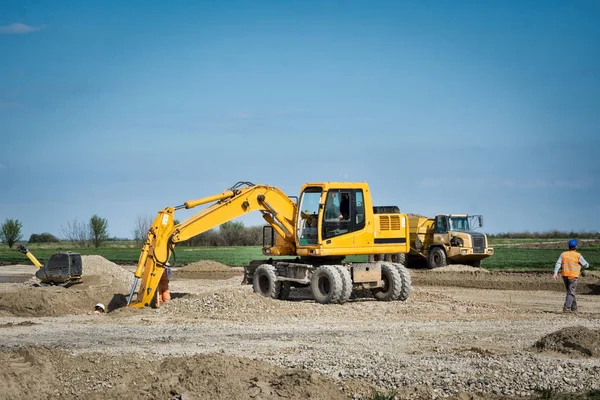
(217, 339)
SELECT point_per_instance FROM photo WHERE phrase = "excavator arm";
(244, 197)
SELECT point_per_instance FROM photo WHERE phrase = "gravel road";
(444, 341)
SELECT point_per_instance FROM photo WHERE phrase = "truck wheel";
(436, 258)
(397, 258)
(326, 284)
(392, 284)
(265, 281)
(286, 288)
(376, 257)
(346, 283)
(406, 282)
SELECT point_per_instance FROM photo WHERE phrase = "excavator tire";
(286, 288)
(436, 258)
(326, 284)
(392, 289)
(265, 281)
(346, 283)
(406, 282)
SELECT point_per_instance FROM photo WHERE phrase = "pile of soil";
(576, 340)
(416, 215)
(39, 373)
(102, 282)
(207, 269)
(480, 278)
(205, 265)
(459, 268)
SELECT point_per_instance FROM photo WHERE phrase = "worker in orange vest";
(162, 291)
(571, 262)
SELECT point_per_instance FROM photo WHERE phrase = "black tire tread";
(346, 283)
(335, 282)
(274, 285)
(395, 281)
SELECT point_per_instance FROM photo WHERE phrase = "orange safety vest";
(570, 264)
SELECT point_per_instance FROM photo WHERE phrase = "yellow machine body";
(302, 229)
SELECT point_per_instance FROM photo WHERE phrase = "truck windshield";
(459, 224)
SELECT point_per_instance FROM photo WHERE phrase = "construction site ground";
(464, 333)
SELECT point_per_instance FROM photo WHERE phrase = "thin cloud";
(509, 183)
(246, 116)
(18, 28)
(4, 105)
(3, 166)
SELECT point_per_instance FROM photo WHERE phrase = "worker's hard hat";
(572, 243)
(100, 306)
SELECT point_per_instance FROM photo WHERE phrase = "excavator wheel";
(406, 282)
(398, 258)
(265, 281)
(326, 284)
(346, 283)
(392, 284)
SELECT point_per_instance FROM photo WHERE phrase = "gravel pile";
(574, 340)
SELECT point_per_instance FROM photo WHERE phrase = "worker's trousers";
(570, 301)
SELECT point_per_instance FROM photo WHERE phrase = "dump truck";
(447, 239)
(306, 242)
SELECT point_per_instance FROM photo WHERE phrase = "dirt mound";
(459, 268)
(416, 215)
(577, 340)
(102, 282)
(513, 280)
(204, 265)
(40, 373)
(207, 269)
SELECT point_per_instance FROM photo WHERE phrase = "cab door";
(440, 230)
(343, 217)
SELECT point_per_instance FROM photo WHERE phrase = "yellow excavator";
(330, 221)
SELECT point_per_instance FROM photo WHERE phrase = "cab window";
(441, 224)
(344, 212)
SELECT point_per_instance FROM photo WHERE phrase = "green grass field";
(503, 259)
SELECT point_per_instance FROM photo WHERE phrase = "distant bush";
(546, 235)
(43, 238)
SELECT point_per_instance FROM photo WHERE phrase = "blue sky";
(123, 108)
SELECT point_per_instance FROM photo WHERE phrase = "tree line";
(95, 232)
(81, 234)
(555, 234)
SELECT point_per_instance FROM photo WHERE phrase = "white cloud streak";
(508, 183)
(19, 29)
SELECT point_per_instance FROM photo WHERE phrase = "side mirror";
(480, 218)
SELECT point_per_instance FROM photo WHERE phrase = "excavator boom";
(276, 207)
